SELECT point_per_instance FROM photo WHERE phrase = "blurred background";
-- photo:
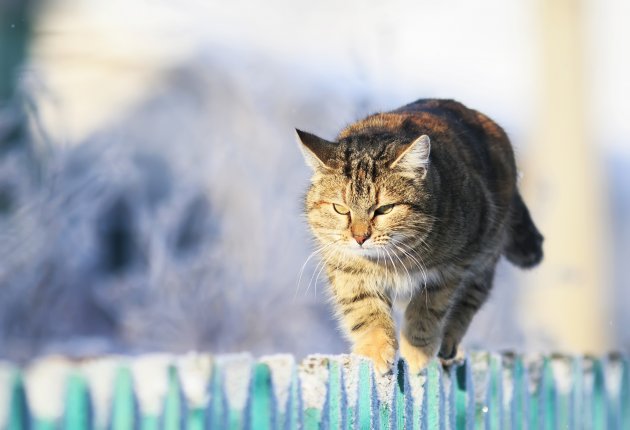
(150, 183)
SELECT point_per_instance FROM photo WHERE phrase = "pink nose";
(361, 238)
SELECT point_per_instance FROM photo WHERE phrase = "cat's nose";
(361, 238)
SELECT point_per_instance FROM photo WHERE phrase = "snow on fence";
(196, 391)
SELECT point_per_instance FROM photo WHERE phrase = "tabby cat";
(420, 201)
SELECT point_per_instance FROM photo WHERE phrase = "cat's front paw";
(416, 358)
(451, 354)
(378, 346)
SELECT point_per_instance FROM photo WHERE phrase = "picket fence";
(200, 391)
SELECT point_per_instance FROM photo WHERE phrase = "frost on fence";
(197, 391)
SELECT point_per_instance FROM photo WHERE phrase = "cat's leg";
(365, 316)
(471, 296)
(425, 315)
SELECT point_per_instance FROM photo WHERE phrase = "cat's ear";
(318, 152)
(414, 154)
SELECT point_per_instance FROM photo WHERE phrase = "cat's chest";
(392, 278)
(406, 281)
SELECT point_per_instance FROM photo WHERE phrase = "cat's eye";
(341, 209)
(385, 209)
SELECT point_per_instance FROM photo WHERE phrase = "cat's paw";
(379, 347)
(448, 349)
(456, 358)
(416, 358)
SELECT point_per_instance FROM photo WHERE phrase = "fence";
(197, 391)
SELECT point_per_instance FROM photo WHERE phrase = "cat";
(421, 201)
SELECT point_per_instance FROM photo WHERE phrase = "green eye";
(341, 209)
(385, 209)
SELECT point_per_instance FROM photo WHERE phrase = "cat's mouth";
(367, 250)
(381, 250)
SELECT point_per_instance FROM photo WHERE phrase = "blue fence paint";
(486, 391)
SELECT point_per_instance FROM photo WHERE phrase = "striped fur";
(450, 173)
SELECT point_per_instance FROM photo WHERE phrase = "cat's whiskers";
(385, 261)
(424, 246)
(403, 265)
(407, 253)
(312, 254)
(393, 269)
(320, 250)
(410, 254)
(424, 275)
(325, 263)
(326, 238)
(423, 266)
(321, 263)
(418, 231)
(399, 259)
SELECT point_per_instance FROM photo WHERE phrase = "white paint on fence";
(194, 371)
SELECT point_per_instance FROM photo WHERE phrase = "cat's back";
(449, 112)
(444, 120)
(461, 138)
(452, 118)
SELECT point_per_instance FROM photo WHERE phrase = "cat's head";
(368, 190)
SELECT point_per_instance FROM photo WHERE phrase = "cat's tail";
(524, 242)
